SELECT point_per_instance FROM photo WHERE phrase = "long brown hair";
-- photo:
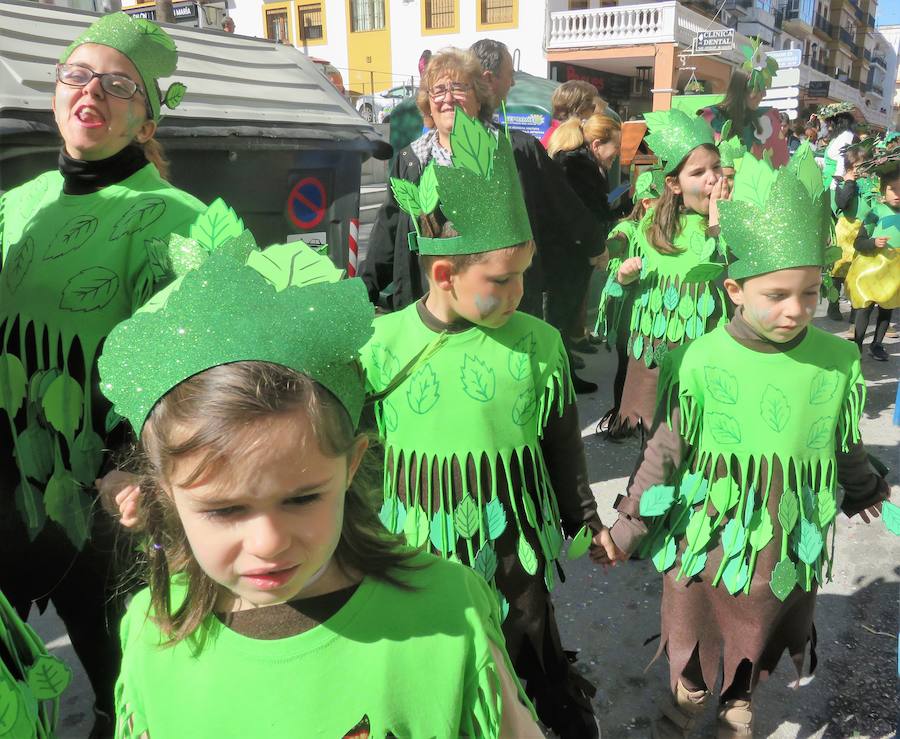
(734, 106)
(156, 155)
(666, 224)
(219, 407)
(461, 66)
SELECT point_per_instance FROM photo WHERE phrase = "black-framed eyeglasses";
(117, 85)
(457, 89)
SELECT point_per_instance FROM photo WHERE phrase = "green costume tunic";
(413, 662)
(73, 266)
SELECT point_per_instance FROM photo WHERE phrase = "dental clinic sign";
(709, 42)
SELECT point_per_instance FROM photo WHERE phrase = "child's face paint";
(695, 182)
(487, 293)
(779, 305)
(266, 529)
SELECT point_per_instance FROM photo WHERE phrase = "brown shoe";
(735, 719)
(680, 713)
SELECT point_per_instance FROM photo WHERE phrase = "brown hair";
(155, 154)
(666, 224)
(853, 155)
(220, 407)
(575, 133)
(462, 66)
(575, 97)
(435, 226)
(734, 106)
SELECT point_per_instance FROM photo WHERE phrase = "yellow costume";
(875, 277)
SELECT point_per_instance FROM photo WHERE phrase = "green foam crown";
(673, 134)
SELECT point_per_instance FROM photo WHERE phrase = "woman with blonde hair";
(573, 99)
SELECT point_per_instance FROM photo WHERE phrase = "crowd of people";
(261, 509)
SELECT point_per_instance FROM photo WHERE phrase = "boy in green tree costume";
(757, 423)
(483, 451)
(81, 248)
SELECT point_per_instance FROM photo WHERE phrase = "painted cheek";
(486, 304)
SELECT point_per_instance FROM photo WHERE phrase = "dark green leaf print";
(821, 433)
(158, 257)
(140, 215)
(48, 677)
(724, 428)
(775, 408)
(478, 380)
(823, 386)
(174, 95)
(30, 505)
(86, 456)
(520, 357)
(69, 506)
(17, 263)
(34, 452)
(423, 391)
(72, 236)
(721, 384)
(525, 407)
(91, 289)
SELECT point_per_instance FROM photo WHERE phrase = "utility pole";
(164, 12)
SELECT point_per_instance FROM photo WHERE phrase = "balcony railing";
(823, 24)
(867, 54)
(879, 60)
(870, 21)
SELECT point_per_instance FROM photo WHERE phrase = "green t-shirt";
(883, 221)
(403, 663)
(72, 267)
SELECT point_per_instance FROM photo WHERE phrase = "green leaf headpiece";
(146, 45)
(759, 68)
(731, 148)
(650, 184)
(776, 219)
(673, 134)
(286, 305)
(883, 162)
(833, 109)
(480, 195)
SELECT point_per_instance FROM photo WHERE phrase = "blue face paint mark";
(486, 304)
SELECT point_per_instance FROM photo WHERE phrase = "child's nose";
(267, 537)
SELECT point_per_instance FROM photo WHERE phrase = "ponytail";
(155, 154)
(575, 133)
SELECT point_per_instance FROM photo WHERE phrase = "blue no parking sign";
(306, 203)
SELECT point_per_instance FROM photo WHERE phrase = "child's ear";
(673, 184)
(441, 274)
(356, 456)
(735, 291)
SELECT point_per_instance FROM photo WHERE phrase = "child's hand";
(721, 191)
(629, 270)
(603, 549)
(870, 513)
(881, 242)
(119, 493)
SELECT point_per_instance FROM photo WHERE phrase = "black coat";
(590, 184)
(564, 230)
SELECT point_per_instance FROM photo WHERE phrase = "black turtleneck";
(81, 177)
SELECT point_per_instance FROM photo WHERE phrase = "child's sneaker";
(680, 713)
(735, 719)
(877, 351)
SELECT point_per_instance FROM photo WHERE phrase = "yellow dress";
(875, 277)
(845, 231)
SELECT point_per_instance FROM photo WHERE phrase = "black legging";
(882, 321)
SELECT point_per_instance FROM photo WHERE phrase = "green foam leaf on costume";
(671, 298)
(486, 562)
(686, 306)
(656, 500)
(659, 326)
(465, 517)
(112, 420)
(504, 608)
(68, 505)
(393, 515)
(527, 556)
(10, 705)
(581, 542)
(724, 428)
(754, 183)
(284, 265)
(478, 380)
(706, 304)
(826, 507)
(530, 513)
(428, 190)
(692, 488)
(735, 576)
(637, 348)
(495, 518)
(694, 327)
(34, 452)
(788, 510)
(217, 225)
(809, 545)
(722, 385)
(614, 288)
(699, 531)
(554, 540)
(663, 553)
(62, 404)
(703, 272)
(48, 677)
(761, 530)
(832, 254)
(783, 579)
(734, 537)
(549, 577)
(13, 384)
(821, 433)
(656, 300)
(724, 494)
(423, 391)
(697, 565)
(890, 514)
(675, 330)
(823, 386)
(416, 527)
(30, 504)
(442, 535)
(86, 456)
(406, 194)
(775, 408)
(39, 382)
(473, 146)
(174, 95)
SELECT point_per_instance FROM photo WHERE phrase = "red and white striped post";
(353, 257)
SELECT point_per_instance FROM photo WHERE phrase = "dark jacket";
(562, 228)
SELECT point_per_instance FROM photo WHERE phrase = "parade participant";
(483, 450)
(82, 247)
(873, 279)
(675, 296)
(839, 117)
(276, 599)
(734, 496)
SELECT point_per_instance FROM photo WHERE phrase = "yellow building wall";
(369, 56)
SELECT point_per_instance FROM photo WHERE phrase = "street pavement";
(610, 615)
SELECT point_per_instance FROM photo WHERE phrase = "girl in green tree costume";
(82, 247)
(277, 604)
(483, 451)
(735, 495)
(671, 277)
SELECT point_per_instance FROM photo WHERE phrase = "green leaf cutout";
(826, 507)
(735, 576)
(10, 705)
(823, 386)
(724, 428)
(473, 146)
(788, 510)
(174, 95)
(524, 407)
(706, 304)
(62, 405)
(703, 272)
(581, 542)
(13, 384)
(68, 505)
(659, 326)
(48, 677)
(697, 565)
(73, 235)
(504, 609)
(775, 408)
(692, 488)
(520, 357)
(686, 306)
(554, 540)
(495, 519)
(637, 348)
(91, 289)
(16, 265)
(784, 579)
(158, 258)
(663, 553)
(656, 500)
(423, 391)
(486, 562)
(722, 385)
(809, 546)
(549, 578)
(890, 514)
(428, 192)
(734, 537)
(216, 225)
(675, 330)
(443, 537)
(527, 556)
(613, 288)
(655, 300)
(416, 527)
(821, 433)
(139, 216)
(406, 194)
(724, 494)
(478, 380)
(30, 504)
(647, 323)
(112, 420)
(694, 327)
(761, 530)
(465, 517)
(671, 298)
(699, 531)
(86, 456)
(393, 515)
(40, 381)
(530, 513)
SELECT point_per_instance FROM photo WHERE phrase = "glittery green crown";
(731, 148)
(759, 68)
(776, 219)
(673, 134)
(480, 195)
(650, 185)
(833, 109)
(146, 45)
(285, 305)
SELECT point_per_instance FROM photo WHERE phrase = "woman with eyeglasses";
(453, 79)
(83, 246)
